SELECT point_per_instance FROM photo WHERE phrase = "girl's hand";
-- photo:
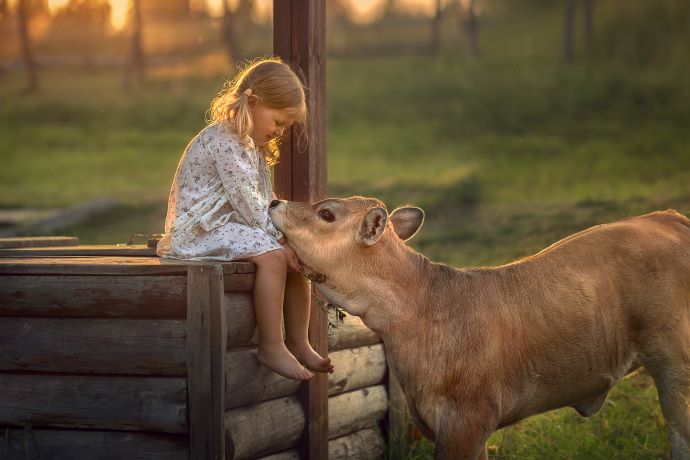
(292, 260)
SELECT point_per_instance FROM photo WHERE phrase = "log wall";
(93, 358)
(134, 357)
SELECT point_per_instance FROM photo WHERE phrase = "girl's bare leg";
(296, 313)
(269, 289)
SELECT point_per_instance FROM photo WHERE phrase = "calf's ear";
(407, 221)
(373, 225)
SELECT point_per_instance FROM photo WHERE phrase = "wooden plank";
(218, 337)
(37, 241)
(90, 445)
(239, 282)
(106, 346)
(356, 410)
(94, 402)
(133, 250)
(93, 296)
(93, 266)
(247, 382)
(205, 378)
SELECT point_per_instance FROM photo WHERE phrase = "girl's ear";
(407, 221)
(252, 99)
(373, 226)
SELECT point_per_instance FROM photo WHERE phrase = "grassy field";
(506, 155)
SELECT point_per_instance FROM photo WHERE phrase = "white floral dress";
(218, 204)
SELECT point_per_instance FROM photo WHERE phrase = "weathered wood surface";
(92, 266)
(205, 355)
(350, 333)
(108, 346)
(93, 296)
(357, 368)
(94, 402)
(247, 382)
(129, 250)
(263, 429)
(91, 445)
(276, 425)
(241, 326)
(37, 241)
(356, 410)
(113, 265)
(365, 444)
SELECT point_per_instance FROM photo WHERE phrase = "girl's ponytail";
(241, 116)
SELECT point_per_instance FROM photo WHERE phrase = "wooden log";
(350, 333)
(365, 444)
(264, 428)
(276, 425)
(93, 296)
(94, 402)
(241, 322)
(38, 241)
(356, 410)
(357, 368)
(205, 352)
(247, 382)
(241, 326)
(90, 445)
(106, 346)
(397, 410)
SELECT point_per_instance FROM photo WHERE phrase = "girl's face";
(270, 123)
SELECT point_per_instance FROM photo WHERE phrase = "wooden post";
(299, 38)
(205, 360)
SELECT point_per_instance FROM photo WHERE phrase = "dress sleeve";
(241, 180)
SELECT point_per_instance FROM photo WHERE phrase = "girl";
(218, 207)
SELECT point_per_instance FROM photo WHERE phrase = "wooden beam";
(299, 38)
(205, 353)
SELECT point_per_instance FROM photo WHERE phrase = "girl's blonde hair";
(275, 85)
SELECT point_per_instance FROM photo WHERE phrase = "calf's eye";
(326, 215)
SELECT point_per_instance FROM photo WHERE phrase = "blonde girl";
(218, 207)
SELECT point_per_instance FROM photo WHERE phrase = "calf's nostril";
(274, 203)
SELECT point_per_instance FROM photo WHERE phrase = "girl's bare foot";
(306, 355)
(280, 360)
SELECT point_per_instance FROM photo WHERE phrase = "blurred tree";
(23, 16)
(471, 26)
(589, 26)
(134, 69)
(165, 9)
(436, 28)
(4, 10)
(568, 30)
(228, 33)
(80, 27)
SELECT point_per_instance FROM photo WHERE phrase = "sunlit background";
(513, 123)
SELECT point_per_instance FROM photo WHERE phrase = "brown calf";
(478, 349)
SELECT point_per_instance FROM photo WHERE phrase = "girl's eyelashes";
(326, 215)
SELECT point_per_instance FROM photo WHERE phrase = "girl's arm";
(241, 181)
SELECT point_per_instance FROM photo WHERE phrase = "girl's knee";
(275, 258)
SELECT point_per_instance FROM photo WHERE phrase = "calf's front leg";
(462, 436)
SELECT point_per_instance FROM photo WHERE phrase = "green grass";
(506, 155)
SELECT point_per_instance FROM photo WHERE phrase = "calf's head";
(347, 241)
